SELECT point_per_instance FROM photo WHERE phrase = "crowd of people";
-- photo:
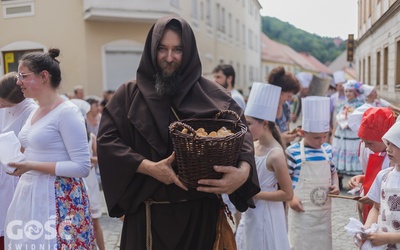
(295, 151)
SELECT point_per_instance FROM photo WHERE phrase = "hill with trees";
(325, 49)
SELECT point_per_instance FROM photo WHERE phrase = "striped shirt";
(312, 154)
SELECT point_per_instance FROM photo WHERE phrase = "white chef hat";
(355, 117)
(367, 89)
(304, 78)
(339, 76)
(316, 114)
(263, 101)
(393, 135)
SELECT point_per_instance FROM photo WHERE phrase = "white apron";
(389, 218)
(312, 229)
(31, 222)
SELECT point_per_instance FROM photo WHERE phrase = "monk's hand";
(162, 171)
(232, 179)
(295, 204)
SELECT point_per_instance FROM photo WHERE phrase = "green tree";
(323, 48)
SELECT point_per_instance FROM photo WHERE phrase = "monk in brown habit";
(136, 156)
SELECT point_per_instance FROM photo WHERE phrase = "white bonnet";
(393, 135)
(367, 89)
(339, 76)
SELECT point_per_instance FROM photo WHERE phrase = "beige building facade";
(378, 46)
(101, 41)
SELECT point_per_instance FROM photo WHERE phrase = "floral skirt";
(345, 145)
(49, 212)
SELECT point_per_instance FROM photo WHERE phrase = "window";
(194, 8)
(368, 71)
(237, 30)
(385, 65)
(378, 68)
(218, 17)
(250, 39)
(230, 24)
(201, 11)
(223, 20)
(120, 57)
(244, 34)
(363, 71)
(10, 59)
(208, 13)
(397, 73)
(13, 9)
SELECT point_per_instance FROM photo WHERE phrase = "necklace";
(12, 110)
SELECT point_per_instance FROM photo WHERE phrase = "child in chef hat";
(385, 194)
(264, 227)
(313, 178)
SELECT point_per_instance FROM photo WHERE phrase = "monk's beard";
(166, 85)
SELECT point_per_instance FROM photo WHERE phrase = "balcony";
(129, 10)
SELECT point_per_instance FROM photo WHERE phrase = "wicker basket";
(196, 155)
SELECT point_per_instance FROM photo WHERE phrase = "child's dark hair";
(9, 90)
(274, 131)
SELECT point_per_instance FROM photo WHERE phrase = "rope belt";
(149, 237)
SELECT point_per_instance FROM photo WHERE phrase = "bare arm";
(24, 166)
(372, 215)
(334, 188)
(277, 163)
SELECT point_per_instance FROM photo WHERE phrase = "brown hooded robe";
(134, 127)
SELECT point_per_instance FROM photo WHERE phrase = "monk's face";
(169, 53)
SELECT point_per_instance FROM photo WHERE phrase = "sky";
(332, 18)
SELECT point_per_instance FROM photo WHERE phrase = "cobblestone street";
(342, 210)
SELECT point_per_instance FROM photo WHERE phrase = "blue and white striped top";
(312, 154)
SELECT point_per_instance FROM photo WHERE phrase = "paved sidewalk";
(342, 210)
(112, 228)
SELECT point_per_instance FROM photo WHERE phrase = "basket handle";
(227, 112)
(177, 124)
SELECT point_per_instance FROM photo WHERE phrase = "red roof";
(277, 52)
(322, 68)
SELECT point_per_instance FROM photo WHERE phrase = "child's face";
(314, 140)
(256, 127)
(393, 153)
(350, 95)
(375, 146)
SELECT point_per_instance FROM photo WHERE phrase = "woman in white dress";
(50, 207)
(264, 228)
(14, 110)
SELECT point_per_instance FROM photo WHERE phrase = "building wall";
(377, 51)
(48, 28)
(84, 43)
